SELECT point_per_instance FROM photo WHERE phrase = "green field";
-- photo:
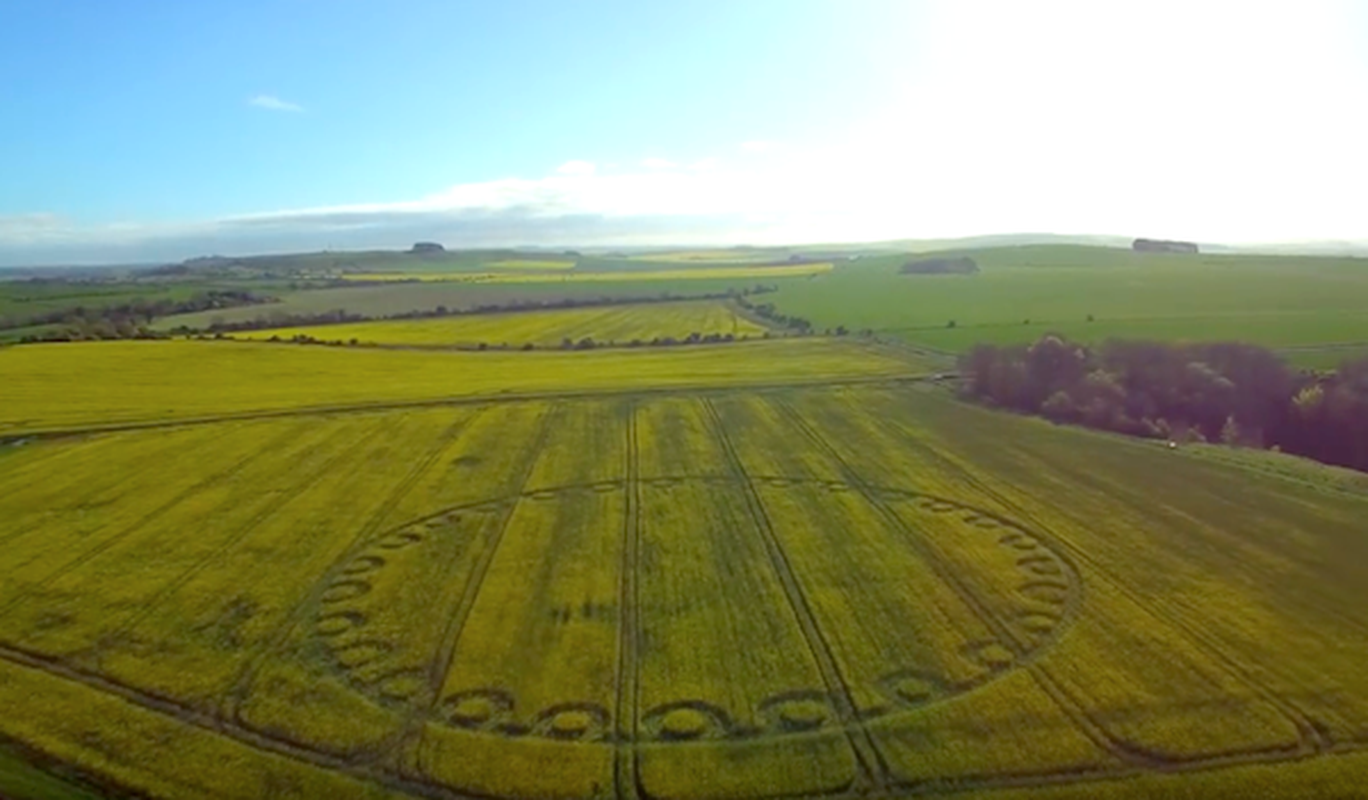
(532, 263)
(21, 777)
(1316, 308)
(333, 263)
(378, 300)
(22, 299)
(606, 324)
(660, 575)
(11, 335)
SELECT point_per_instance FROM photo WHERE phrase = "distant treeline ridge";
(962, 265)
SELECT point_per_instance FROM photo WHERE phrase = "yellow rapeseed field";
(651, 586)
(620, 325)
(531, 263)
(103, 383)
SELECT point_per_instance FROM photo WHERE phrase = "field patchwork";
(668, 273)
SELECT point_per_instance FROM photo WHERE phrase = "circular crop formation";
(1020, 586)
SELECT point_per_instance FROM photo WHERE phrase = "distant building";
(427, 247)
(1162, 246)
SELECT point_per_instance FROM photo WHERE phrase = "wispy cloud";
(23, 227)
(658, 163)
(758, 145)
(272, 103)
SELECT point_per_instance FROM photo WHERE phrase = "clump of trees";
(1163, 246)
(963, 265)
(768, 312)
(1229, 392)
(1329, 417)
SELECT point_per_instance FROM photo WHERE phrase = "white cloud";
(576, 168)
(29, 227)
(1165, 119)
(273, 103)
(574, 206)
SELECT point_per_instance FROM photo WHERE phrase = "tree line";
(566, 343)
(768, 312)
(1230, 392)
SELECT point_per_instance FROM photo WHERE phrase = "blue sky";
(156, 130)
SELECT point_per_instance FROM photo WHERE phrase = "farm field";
(478, 261)
(14, 335)
(1313, 309)
(620, 324)
(638, 270)
(836, 590)
(50, 387)
(21, 300)
(732, 255)
(381, 299)
(532, 263)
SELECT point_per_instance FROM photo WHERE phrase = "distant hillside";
(1357, 248)
(1003, 240)
(332, 264)
(63, 272)
(1319, 248)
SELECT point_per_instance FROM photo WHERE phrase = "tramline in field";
(794, 592)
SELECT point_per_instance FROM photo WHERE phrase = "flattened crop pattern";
(794, 593)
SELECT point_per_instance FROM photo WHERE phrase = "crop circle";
(1020, 586)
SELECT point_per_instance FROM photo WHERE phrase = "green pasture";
(1316, 309)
